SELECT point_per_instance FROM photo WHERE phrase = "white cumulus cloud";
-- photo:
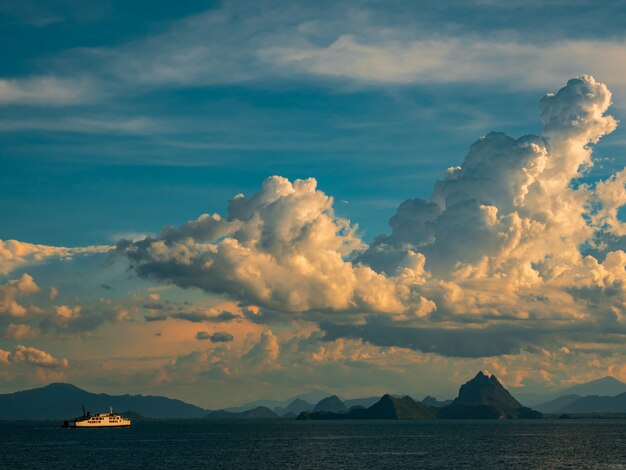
(282, 248)
(507, 241)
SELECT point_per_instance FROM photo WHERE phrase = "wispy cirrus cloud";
(48, 90)
(378, 59)
(91, 125)
(352, 45)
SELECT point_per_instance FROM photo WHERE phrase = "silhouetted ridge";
(134, 416)
(555, 406)
(58, 386)
(606, 386)
(433, 402)
(603, 387)
(260, 412)
(294, 408)
(63, 401)
(360, 402)
(597, 404)
(388, 407)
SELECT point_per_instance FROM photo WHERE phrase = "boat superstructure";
(100, 420)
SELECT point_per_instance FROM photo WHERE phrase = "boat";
(100, 420)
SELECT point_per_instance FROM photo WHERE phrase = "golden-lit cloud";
(15, 254)
(492, 263)
(32, 356)
(21, 332)
(512, 264)
(12, 291)
(283, 248)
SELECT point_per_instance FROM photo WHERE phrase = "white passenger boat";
(100, 420)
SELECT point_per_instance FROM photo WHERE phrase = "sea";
(286, 444)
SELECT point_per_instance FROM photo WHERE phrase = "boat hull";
(95, 426)
(101, 420)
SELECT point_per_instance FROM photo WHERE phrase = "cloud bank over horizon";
(515, 263)
(497, 255)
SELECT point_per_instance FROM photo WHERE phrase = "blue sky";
(127, 153)
(118, 119)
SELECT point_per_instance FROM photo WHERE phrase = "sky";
(228, 201)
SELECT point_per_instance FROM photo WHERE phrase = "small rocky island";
(483, 397)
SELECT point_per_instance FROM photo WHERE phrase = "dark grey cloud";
(156, 317)
(217, 337)
(494, 340)
(225, 316)
(194, 317)
(88, 320)
(161, 313)
(156, 306)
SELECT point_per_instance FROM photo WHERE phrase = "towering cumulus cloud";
(282, 248)
(509, 251)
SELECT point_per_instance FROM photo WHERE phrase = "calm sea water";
(296, 444)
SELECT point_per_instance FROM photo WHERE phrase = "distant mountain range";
(580, 405)
(606, 386)
(553, 406)
(605, 395)
(387, 407)
(63, 401)
(302, 402)
(554, 403)
(597, 404)
(311, 398)
(260, 412)
(483, 397)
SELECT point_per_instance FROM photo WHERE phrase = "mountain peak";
(484, 397)
(607, 386)
(484, 375)
(390, 407)
(486, 390)
(299, 402)
(60, 386)
(609, 379)
(332, 404)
